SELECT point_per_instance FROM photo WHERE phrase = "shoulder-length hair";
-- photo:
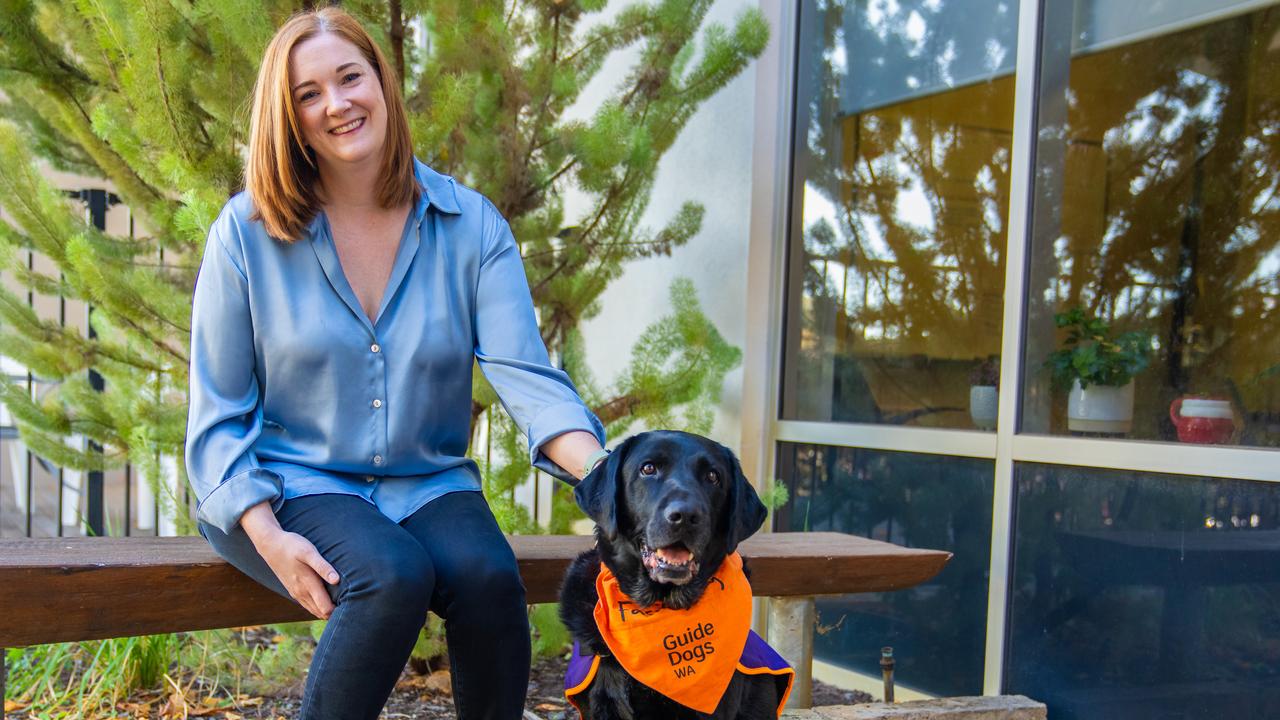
(281, 172)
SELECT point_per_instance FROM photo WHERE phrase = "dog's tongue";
(674, 554)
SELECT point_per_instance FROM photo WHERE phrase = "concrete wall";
(709, 163)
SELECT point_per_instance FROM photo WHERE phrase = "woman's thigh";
(352, 535)
(471, 557)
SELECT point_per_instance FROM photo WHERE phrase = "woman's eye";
(713, 477)
(307, 96)
(648, 469)
(350, 76)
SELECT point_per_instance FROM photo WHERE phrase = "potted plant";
(984, 396)
(1098, 366)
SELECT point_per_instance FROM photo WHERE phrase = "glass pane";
(937, 630)
(1145, 596)
(897, 246)
(1156, 229)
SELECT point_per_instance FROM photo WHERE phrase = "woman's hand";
(293, 559)
(300, 568)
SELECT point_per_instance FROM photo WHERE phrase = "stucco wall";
(709, 163)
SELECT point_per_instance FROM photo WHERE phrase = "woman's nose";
(338, 104)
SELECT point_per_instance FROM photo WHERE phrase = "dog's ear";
(597, 494)
(746, 512)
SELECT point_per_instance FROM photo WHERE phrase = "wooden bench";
(65, 589)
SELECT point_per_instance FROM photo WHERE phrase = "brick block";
(997, 707)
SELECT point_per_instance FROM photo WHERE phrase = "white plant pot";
(984, 406)
(1100, 408)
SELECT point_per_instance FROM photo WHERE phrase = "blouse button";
(377, 403)
(375, 348)
(377, 459)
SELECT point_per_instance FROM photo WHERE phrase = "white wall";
(709, 163)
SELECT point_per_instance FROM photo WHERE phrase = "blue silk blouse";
(295, 392)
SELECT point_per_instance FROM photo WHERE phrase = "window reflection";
(902, 177)
(937, 629)
(1139, 596)
(1156, 210)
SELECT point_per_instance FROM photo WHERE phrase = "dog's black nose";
(682, 514)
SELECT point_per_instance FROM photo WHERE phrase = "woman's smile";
(349, 127)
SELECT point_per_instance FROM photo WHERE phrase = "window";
(902, 176)
(937, 629)
(1158, 214)
(1145, 596)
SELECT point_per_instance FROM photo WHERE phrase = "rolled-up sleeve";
(224, 418)
(539, 398)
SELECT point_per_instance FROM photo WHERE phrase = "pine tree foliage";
(153, 96)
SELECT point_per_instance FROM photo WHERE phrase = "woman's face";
(337, 98)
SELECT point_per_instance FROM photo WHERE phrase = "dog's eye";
(713, 477)
(648, 469)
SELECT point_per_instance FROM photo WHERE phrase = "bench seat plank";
(62, 589)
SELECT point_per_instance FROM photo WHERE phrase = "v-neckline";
(326, 250)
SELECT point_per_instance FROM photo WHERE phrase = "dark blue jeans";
(449, 557)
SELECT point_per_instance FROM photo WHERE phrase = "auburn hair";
(281, 172)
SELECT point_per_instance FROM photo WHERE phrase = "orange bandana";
(687, 655)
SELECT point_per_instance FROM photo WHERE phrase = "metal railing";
(39, 498)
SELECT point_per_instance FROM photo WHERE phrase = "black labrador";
(668, 507)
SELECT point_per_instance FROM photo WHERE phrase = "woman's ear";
(597, 494)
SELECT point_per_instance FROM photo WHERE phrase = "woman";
(341, 302)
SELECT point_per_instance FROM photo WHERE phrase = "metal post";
(886, 669)
(791, 634)
(128, 506)
(128, 469)
(30, 479)
(62, 471)
(98, 201)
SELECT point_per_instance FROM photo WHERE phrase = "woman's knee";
(398, 576)
(490, 586)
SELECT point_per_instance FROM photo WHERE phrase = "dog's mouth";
(672, 563)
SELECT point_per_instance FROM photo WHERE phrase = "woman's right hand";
(300, 568)
(294, 560)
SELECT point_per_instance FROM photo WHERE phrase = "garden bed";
(255, 674)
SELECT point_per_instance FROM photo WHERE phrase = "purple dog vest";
(757, 659)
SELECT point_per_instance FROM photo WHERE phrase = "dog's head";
(668, 507)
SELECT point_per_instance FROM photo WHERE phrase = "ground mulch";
(427, 697)
(420, 694)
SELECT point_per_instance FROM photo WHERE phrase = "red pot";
(1208, 421)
